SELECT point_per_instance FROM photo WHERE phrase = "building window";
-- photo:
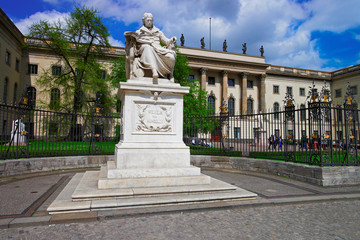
(32, 96)
(291, 132)
(289, 90)
(339, 114)
(211, 80)
(276, 89)
(231, 82)
(17, 65)
(276, 110)
(15, 93)
(211, 101)
(303, 133)
(56, 70)
(6, 88)
(250, 106)
(191, 78)
(302, 91)
(8, 58)
(250, 84)
(118, 105)
(103, 74)
(302, 112)
(353, 90)
(337, 93)
(54, 99)
(277, 132)
(99, 96)
(53, 128)
(339, 135)
(231, 106)
(236, 132)
(32, 69)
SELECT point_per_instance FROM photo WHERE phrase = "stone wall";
(31, 165)
(325, 176)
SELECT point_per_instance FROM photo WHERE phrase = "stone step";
(82, 194)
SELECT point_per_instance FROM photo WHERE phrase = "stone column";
(203, 78)
(262, 93)
(244, 76)
(224, 86)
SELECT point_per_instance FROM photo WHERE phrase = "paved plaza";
(285, 209)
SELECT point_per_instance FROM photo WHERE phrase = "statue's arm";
(166, 40)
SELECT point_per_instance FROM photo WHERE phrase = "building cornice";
(297, 72)
(11, 27)
(346, 72)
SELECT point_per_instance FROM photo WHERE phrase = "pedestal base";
(82, 194)
(112, 178)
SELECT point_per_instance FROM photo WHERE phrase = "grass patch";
(200, 150)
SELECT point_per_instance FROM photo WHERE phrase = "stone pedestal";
(151, 152)
(152, 163)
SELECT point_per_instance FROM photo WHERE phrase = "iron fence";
(27, 132)
(320, 134)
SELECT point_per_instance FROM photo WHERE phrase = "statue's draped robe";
(154, 56)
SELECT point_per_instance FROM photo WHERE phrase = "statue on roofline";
(224, 46)
(202, 43)
(145, 57)
(244, 48)
(182, 40)
(261, 50)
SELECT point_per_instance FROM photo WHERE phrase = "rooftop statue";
(145, 57)
(244, 48)
(261, 50)
(202, 43)
(225, 46)
(182, 39)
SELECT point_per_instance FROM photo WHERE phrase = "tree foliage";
(195, 102)
(78, 42)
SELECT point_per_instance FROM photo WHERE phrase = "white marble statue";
(145, 57)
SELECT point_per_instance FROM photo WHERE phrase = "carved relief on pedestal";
(154, 117)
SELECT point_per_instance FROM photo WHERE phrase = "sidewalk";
(25, 198)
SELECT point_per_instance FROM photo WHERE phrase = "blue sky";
(313, 34)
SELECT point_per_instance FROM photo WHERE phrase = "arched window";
(211, 101)
(250, 106)
(15, 93)
(55, 99)
(231, 106)
(6, 88)
(31, 91)
(302, 112)
(276, 110)
(98, 96)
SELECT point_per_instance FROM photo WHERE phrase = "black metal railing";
(27, 132)
(321, 134)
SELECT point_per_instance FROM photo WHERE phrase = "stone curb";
(124, 213)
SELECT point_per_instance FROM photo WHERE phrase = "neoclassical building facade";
(246, 83)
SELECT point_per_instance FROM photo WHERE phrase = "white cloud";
(283, 27)
(50, 16)
(115, 43)
(332, 15)
(51, 1)
(356, 36)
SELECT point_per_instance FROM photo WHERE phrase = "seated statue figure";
(145, 57)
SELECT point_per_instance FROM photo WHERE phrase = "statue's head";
(148, 20)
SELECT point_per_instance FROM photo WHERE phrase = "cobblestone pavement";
(322, 220)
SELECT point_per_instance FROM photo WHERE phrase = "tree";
(195, 102)
(79, 42)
